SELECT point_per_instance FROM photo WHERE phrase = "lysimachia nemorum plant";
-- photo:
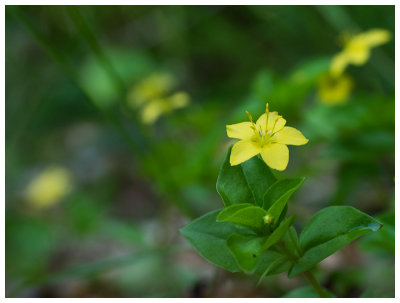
(252, 233)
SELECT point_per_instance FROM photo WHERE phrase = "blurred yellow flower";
(334, 90)
(357, 49)
(153, 109)
(48, 187)
(152, 96)
(268, 137)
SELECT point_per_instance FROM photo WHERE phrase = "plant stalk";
(318, 288)
(308, 274)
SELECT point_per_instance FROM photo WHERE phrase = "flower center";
(263, 135)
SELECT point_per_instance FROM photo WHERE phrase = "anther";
(267, 113)
(250, 117)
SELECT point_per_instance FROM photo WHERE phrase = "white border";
(208, 2)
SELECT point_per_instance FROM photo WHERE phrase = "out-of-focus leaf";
(130, 66)
(306, 292)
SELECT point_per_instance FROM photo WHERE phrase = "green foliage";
(306, 292)
(224, 237)
(243, 214)
(278, 194)
(246, 250)
(329, 230)
(278, 233)
(208, 237)
(244, 183)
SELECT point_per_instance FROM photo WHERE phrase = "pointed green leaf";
(246, 250)
(231, 209)
(277, 196)
(329, 230)
(244, 183)
(278, 233)
(208, 237)
(249, 255)
(259, 178)
(251, 216)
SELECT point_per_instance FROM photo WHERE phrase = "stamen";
(267, 113)
(276, 120)
(250, 117)
(253, 126)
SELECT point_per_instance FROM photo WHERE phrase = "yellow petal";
(241, 130)
(275, 155)
(374, 37)
(358, 55)
(243, 151)
(334, 90)
(152, 110)
(290, 136)
(272, 117)
(178, 100)
(280, 123)
(339, 63)
(48, 187)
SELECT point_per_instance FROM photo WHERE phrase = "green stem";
(310, 277)
(318, 288)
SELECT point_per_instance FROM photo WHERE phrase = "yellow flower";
(153, 109)
(153, 96)
(48, 187)
(357, 49)
(268, 137)
(153, 87)
(334, 90)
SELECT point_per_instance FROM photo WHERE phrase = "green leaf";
(292, 241)
(244, 183)
(281, 264)
(278, 233)
(208, 237)
(329, 230)
(249, 249)
(246, 250)
(277, 196)
(272, 265)
(259, 178)
(250, 216)
(230, 210)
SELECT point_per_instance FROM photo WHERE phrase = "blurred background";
(115, 132)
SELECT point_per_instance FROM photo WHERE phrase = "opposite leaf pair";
(251, 233)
